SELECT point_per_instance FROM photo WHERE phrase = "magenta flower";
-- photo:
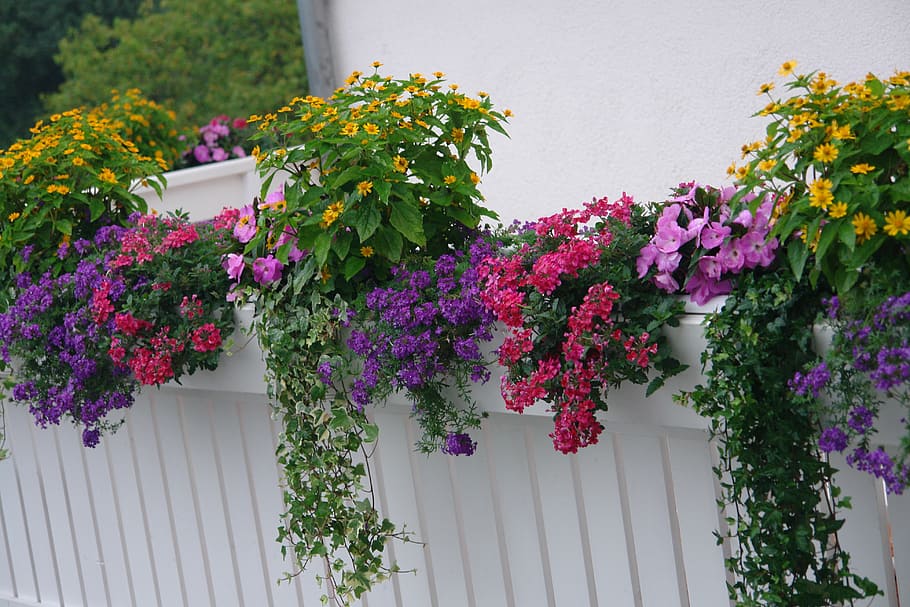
(234, 265)
(202, 153)
(219, 154)
(267, 270)
(245, 228)
(238, 151)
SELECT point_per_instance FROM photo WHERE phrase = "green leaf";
(365, 218)
(342, 243)
(321, 246)
(408, 221)
(388, 243)
(64, 226)
(353, 265)
(797, 254)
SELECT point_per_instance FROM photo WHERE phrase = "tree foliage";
(201, 58)
(29, 33)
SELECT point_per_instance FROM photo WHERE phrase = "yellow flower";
(837, 210)
(786, 68)
(400, 164)
(350, 129)
(507, 113)
(475, 179)
(457, 135)
(332, 213)
(897, 222)
(863, 168)
(364, 187)
(257, 154)
(107, 175)
(371, 129)
(821, 199)
(438, 74)
(449, 179)
(366, 251)
(325, 274)
(864, 226)
(317, 127)
(767, 165)
(377, 64)
(765, 88)
(825, 153)
(13, 216)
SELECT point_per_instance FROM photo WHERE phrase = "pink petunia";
(267, 270)
(234, 264)
(245, 228)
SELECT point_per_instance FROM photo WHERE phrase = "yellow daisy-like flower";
(449, 179)
(825, 153)
(457, 135)
(371, 129)
(897, 222)
(107, 175)
(820, 185)
(350, 129)
(438, 74)
(821, 200)
(767, 87)
(332, 213)
(364, 187)
(475, 178)
(864, 227)
(366, 251)
(14, 216)
(377, 64)
(325, 274)
(837, 210)
(767, 165)
(317, 127)
(78, 161)
(400, 164)
(507, 113)
(787, 68)
(863, 168)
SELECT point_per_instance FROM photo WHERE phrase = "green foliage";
(75, 174)
(29, 33)
(778, 495)
(202, 58)
(380, 170)
(330, 510)
(836, 161)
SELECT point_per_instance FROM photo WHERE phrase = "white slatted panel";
(180, 508)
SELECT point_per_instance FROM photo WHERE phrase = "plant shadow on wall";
(373, 273)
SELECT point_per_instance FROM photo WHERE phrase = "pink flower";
(234, 265)
(731, 256)
(267, 270)
(245, 228)
(714, 234)
(218, 154)
(202, 153)
(206, 338)
(238, 151)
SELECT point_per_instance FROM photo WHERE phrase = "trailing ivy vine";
(780, 502)
(330, 510)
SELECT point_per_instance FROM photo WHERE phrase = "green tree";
(29, 33)
(201, 58)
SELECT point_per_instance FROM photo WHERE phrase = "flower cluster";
(577, 319)
(75, 174)
(699, 243)
(222, 138)
(869, 359)
(265, 267)
(143, 306)
(835, 161)
(423, 333)
(381, 169)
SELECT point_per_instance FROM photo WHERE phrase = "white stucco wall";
(613, 95)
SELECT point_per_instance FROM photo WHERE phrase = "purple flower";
(861, 419)
(832, 439)
(267, 270)
(325, 372)
(459, 443)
